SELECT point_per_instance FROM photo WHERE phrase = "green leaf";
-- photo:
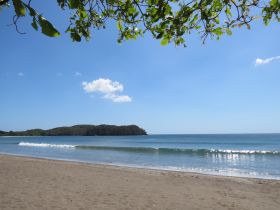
(164, 41)
(19, 8)
(228, 11)
(32, 11)
(131, 10)
(159, 36)
(217, 20)
(218, 31)
(83, 14)
(74, 4)
(229, 32)
(273, 2)
(119, 25)
(47, 28)
(34, 24)
(76, 37)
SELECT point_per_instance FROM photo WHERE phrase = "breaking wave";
(154, 150)
(28, 144)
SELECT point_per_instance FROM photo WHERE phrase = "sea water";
(243, 155)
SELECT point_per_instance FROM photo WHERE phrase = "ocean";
(241, 155)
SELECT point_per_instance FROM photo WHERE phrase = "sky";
(225, 86)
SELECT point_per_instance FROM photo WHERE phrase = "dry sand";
(38, 184)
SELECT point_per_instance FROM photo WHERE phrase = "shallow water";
(244, 155)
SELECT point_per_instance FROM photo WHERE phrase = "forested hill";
(81, 130)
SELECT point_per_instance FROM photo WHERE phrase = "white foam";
(244, 151)
(29, 144)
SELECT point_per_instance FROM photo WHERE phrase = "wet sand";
(33, 184)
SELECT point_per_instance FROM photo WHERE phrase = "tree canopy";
(167, 20)
(81, 130)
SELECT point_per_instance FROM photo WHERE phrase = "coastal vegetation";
(81, 130)
(166, 20)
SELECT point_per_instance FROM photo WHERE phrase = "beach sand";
(38, 184)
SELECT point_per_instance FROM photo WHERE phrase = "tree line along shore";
(81, 130)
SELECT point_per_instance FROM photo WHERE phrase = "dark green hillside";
(81, 130)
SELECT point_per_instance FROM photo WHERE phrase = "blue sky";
(211, 88)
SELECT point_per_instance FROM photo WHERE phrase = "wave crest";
(29, 144)
(154, 150)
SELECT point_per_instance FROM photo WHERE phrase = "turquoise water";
(244, 155)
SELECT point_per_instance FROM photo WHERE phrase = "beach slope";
(28, 183)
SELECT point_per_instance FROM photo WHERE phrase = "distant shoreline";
(150, 134)
(81, 130)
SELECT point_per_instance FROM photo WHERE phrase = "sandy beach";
(29, 183)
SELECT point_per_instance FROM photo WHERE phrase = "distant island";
(81, 130)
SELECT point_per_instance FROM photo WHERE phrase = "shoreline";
(37, 183)
(138, 167)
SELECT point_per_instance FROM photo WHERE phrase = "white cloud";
(118, 98)
(108, 88)
(260, 61)
(20, 74)
(78, 73)
(101, 85)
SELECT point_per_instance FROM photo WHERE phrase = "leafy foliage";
(167, 20)
(81, 130)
